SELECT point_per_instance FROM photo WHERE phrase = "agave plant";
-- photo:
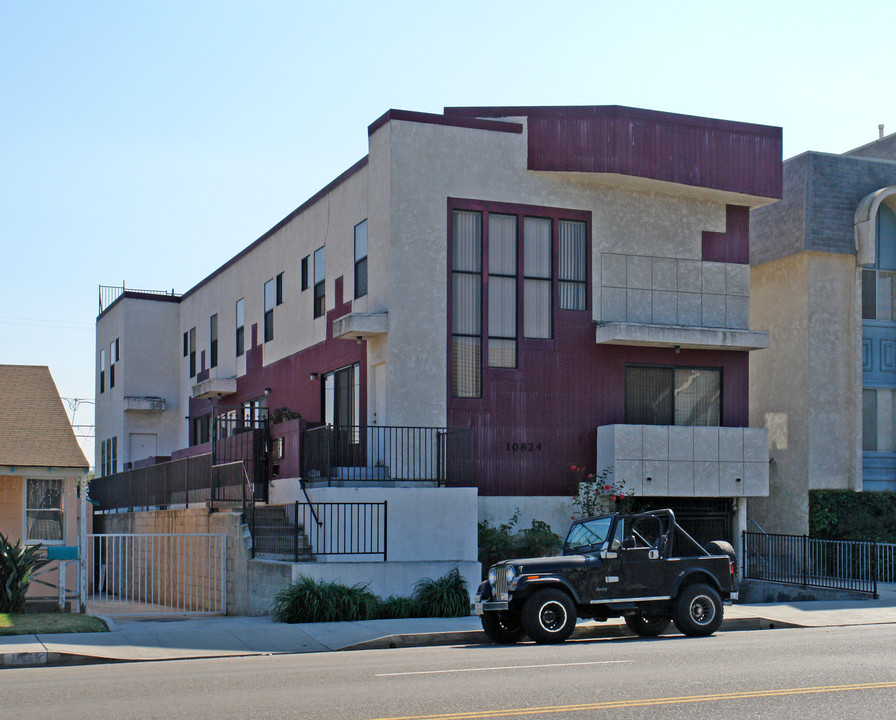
(17, 564)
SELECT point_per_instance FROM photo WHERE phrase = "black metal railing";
(303, 531)
(110, 293)
(382, 452)
(811, 562)
(193, 480)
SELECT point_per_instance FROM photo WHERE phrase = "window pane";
(502, 244)
(501, 307)
(502, 353)
(886, 422)
(269, 295)
(537, 247)
(869, 420)
(44, 509)
(697, 397)
(361, 240)
(466, 304)
(573, 264)
(648, 396)
(466, 365)
(537, 308)
(466, 243)
(320, 265)
(361, 278)
(886, 291)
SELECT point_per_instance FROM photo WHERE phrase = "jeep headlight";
(492, 577)
(509, 574)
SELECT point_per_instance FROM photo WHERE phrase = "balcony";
(214, 387)
(679, 461)
(361, 325)
(144, 403)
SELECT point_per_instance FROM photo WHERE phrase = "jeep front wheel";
(647, 625)
(549, 616)
(698, 610)
(502, 627)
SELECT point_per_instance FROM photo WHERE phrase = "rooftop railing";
(110, 293)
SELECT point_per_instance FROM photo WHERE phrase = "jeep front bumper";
(480, 608)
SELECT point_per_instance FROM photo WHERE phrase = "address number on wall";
(523, 447)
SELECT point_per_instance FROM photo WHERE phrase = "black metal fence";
(241, 435)
(193, 480)
(811, 562)
(304, 531)
(382, 452)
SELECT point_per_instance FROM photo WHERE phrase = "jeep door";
(642, 566)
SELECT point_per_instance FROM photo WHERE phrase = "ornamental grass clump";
(17, 564)
(445, 597)
(309, 600)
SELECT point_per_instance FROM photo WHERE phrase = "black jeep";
(643, 567)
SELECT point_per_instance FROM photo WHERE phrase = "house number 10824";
(524, 447)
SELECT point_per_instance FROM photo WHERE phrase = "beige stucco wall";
(803, 388)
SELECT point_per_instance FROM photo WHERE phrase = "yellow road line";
(648, 702)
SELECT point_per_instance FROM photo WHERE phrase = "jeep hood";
(559, 563)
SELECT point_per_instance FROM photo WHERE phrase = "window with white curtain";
(44, 508)
(466, 303)
(537, 286)
(502, 289)
(573, 265)
(673, 396)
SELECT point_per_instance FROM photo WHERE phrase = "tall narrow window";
(305, 273)
(213, 340)
(192, 352)
(320, 267)
(279, 289)
(112, 359)
(361, 259)
(466, 304)
(269, 311)
(502, 289)
(240, 327)
(537, 290)
(572, 271)
(103, 370)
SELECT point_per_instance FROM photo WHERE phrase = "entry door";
(342, 408)
(142, 445)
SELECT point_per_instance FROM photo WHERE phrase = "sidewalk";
(208, 637)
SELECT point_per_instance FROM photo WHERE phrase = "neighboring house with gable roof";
(40, 460)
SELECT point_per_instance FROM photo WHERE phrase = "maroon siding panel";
(733, 245)
(703, 152)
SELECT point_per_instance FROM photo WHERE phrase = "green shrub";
(309, 600)
(17, 564)
(445, 597)
(849, 515)
(396, 608)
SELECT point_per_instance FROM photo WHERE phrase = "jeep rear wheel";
(502, 627)
(549, 616)
(698, 610)
(647, 625)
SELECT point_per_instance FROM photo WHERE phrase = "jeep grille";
(501, 585)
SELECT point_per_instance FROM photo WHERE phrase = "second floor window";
(240, 327)
(320, 267)
(673, 396)
(192, 343)
(103, 370)
(361, 259)
(213, 340)
(269, 311)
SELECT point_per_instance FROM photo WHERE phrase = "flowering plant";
(596, 494)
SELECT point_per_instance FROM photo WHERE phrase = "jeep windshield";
(588, 535)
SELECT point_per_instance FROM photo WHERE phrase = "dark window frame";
(360, 261)
(213, 341)
(240, 326)
(278, 291)
(632, 419)
(320, 283)
(269, 310)
(192, 340)
(304, 272)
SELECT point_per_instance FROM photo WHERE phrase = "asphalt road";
(805, 673)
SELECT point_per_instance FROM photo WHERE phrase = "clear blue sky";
(150, 142)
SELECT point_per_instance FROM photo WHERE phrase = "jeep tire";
(502, 627)
(647, 625)
(698, 610)
(549, 616)
(721, 547)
